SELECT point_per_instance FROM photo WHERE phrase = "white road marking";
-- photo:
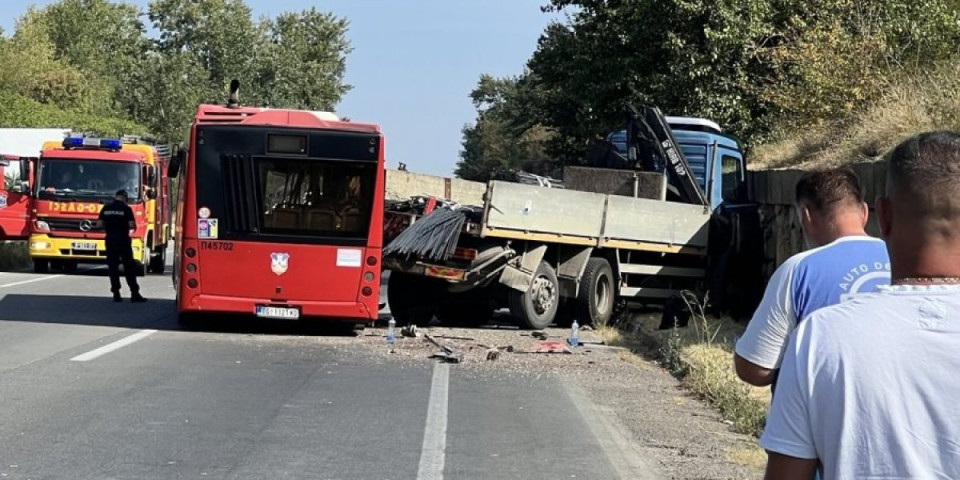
(616, 443)
(123, 342)
(435, 434)
(32, 280)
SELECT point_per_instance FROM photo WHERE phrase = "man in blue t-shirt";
(843, 262)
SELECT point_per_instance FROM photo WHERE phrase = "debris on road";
(409, 331)
(448, 354)
(493, 354)
(549, 346)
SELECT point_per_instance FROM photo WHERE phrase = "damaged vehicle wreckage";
(661, 208)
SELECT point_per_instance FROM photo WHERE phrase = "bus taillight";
(366, 291)
(371, 260)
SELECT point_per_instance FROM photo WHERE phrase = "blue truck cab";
(715, 159)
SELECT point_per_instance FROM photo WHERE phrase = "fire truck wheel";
(158, 262)
(41, 266)
(537, 307)
(413, 299)
(143, 266)
(596, 295)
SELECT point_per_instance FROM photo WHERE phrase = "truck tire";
(472, 308)
(597, 292)
(413, 299)
(41, 266)
(537, 307)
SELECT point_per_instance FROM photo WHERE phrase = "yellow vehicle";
(75, 178)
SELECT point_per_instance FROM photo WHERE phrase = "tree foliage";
(89, 63)
(758, 67)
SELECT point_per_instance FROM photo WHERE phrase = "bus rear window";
(315, 197)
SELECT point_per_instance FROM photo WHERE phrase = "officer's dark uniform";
(116, 218)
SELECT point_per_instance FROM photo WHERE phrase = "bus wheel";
(413, 298)
(41, 266)
(537, 307)
(596, 295)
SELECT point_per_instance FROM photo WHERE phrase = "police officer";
(117, 221)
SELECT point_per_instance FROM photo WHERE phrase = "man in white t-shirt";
(844, 262)
(869, 387)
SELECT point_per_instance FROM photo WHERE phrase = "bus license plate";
(83, 246)
(287, 313)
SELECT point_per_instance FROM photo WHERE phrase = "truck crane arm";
(651, 126)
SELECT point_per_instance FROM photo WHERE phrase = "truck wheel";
(413, 299)
(537, 307)
(470, 309)
(41, 266)
(595, 298)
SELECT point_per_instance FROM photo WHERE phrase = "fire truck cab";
(75, 178)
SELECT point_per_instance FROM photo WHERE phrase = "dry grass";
(701, 356)
(13, 255)
(907, 106)
(749, 456)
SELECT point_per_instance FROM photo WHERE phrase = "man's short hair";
(827, 189)
(927, 162)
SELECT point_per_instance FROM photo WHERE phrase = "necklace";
(927, 280)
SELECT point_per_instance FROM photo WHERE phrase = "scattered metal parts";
(409, 331)
(493, 354)
(446, 353)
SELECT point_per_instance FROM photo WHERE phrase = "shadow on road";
(159, 314)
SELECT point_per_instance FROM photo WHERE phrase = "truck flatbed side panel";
(652, 221)
(532, 209)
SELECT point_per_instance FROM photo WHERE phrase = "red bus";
(279, 215)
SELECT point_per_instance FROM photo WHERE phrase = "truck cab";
(15, 197)
(715, 159)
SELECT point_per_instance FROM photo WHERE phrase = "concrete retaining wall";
(774, 189)
(403, 184)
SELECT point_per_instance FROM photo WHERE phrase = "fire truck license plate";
(83, 246)
(278, 312)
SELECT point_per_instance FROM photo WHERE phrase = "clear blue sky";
(414, 64)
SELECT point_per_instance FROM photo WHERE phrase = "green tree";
(504, 136)
(302, 61)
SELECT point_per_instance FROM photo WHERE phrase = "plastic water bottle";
(391, 331)
(574, 331)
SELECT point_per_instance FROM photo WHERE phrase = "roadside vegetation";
(798, 81)
(700, 355)
(13, 255)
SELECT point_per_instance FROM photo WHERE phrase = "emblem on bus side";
(279, 262)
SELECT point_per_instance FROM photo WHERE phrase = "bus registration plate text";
(286, 313)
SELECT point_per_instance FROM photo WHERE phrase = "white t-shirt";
(871, 387)
(807, 281)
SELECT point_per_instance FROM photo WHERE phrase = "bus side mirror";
(175, 162)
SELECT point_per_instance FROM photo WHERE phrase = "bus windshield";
(98, 180)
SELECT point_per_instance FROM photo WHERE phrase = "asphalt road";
(91, 389)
